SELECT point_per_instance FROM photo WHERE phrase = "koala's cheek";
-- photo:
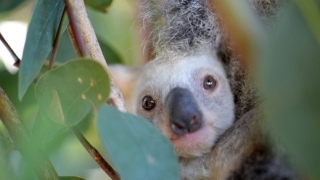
(165, 129)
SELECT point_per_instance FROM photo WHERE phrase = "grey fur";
(181, 27)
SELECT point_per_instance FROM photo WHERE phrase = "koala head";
(188, 99)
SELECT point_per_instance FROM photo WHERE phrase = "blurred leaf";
(7, 5)
(6, 169)
(118, 32)
(41, 33)
(291, 72)
(136, 149)
(70, 178)
(100, 5)
(109, 53)
(66, 94)
(26, 108)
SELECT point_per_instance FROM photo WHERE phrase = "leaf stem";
(76, 31)
(13, 54)
(95, 154)
(56, 41)
(21, 139)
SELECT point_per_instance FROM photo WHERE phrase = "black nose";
(184, 114)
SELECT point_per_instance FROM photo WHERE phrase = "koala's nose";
(184, 114)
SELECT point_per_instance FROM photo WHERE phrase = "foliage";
(41, 33)
(68, 93)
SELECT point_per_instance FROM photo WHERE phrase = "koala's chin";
(195, 144)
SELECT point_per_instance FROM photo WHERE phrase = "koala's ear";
(126, 77)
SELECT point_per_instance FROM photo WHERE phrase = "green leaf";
(70, 178)
(111, 56)
(100, 5)
(291, 72)
(40, 37)
(136, 149)
(7, 5)
(68, 93)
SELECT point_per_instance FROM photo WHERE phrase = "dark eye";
(148, 103)
(209, 83)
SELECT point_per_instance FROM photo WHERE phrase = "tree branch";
(57, 40)
(93, 46)
(74, 27)
(95, 154)
(13, 54)
(20, 136)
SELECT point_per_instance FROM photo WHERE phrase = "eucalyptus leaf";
(40, 37)
(68, 93)
(291, 72)
(136, 149)
(100, 5)
(9, 5)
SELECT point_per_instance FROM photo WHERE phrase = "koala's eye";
(209, 83)
(148, 103)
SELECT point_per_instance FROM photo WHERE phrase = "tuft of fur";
(244, 93)
(181, 27)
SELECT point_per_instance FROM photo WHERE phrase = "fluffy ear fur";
(126, 77)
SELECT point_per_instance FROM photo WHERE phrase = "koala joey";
(180, 98)
(189, 100)
(199, 96)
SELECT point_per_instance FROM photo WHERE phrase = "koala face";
(189, 100)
